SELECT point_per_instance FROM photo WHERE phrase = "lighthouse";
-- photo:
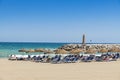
(83, 40)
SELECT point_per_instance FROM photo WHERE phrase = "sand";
(26, 70)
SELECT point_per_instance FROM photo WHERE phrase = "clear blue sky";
(59, 20)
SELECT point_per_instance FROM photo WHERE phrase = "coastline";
(8, 48)
(26, 70)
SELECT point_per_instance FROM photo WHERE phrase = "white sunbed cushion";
(18, 56)
(25, 56)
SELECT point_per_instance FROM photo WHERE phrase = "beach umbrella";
(91, 51)
(39, 50)
(60, 51)
(103, 50)
(76, 51)
(67, 48)
(22, 50)
(114, 49)
(30, 51)
(48, 51)
(118, 50)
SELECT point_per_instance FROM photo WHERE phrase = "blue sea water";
(7, 48)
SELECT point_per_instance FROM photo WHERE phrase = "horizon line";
(58, 42)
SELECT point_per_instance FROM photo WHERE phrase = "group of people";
(70, 58)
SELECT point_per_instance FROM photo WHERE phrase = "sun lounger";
(12, 57)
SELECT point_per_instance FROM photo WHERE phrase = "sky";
(60, 21)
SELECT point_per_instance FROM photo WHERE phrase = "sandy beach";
(26, 70)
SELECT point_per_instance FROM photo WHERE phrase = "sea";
(8, 48)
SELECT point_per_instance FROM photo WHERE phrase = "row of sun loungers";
(66, 59)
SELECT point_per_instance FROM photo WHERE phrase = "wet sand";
(26, 70)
